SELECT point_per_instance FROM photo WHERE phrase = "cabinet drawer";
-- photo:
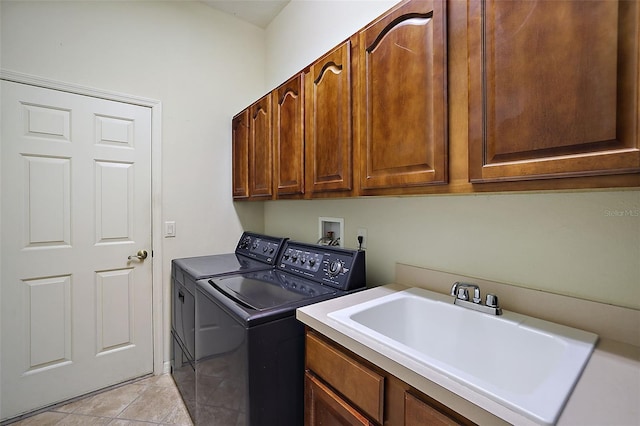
(357, 383)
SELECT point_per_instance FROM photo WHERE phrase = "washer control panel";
(260, 247)
(339, 268)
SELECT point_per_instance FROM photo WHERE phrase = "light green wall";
(583, 244)
(571, 243)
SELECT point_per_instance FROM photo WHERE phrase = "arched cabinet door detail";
(240, 155)
(288, 138)
(260, 149)
(402, 103)
(328, 109)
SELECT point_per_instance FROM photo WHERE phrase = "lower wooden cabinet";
(342, 388)
(419, 413)
(356, 381)
(325, 407)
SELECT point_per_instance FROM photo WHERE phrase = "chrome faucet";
(460, 291)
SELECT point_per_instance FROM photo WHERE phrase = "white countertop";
(608, 392)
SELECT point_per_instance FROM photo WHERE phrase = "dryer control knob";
(335, 268)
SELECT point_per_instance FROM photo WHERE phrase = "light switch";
(169, 229)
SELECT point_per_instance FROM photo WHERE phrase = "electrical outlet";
(362, 232)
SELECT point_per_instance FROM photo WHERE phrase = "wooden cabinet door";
(402, 99)
(260, 149)
(553, 89)
(325, 407)
(328, 108)
(361, 385)
(418, 413)
(240, 155)
(288, 137)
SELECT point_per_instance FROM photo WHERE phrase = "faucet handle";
(463, 293)
(476, 295)
(492, 300)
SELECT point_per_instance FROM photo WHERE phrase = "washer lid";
(269, 289)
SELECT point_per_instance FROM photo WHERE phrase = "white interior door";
(76, 202)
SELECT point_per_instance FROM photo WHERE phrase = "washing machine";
(250, 365)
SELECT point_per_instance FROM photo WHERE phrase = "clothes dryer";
(254, 252)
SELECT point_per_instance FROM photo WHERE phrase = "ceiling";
(257, 12)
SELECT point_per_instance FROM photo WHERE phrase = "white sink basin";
(524, 363)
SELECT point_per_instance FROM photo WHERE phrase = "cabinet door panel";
(260, 148)
(358, 383)
(418, 412)
(288, 137)
(240, 155)
(328, 122)
(402, 102)
(553, 89)
(325, 407)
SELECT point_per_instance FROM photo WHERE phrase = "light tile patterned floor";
(150, 401)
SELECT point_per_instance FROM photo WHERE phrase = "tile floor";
(150, 401)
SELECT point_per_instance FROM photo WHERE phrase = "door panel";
(288, 137)
(47, 183)
(240, 155)
(46, 122)
(114, 309)
(114, 187)
(553, 89)
(325, 407)
(76, 185)
(49, 325)
(403, 98)
(260, 149)
(328, 130)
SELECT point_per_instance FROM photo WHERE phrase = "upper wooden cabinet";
(402, 97)
(240, 155)
(455, 97)
(260, 149)
(288, 138)
(553, 89)
(328, 132)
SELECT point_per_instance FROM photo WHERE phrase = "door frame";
(157, 290)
